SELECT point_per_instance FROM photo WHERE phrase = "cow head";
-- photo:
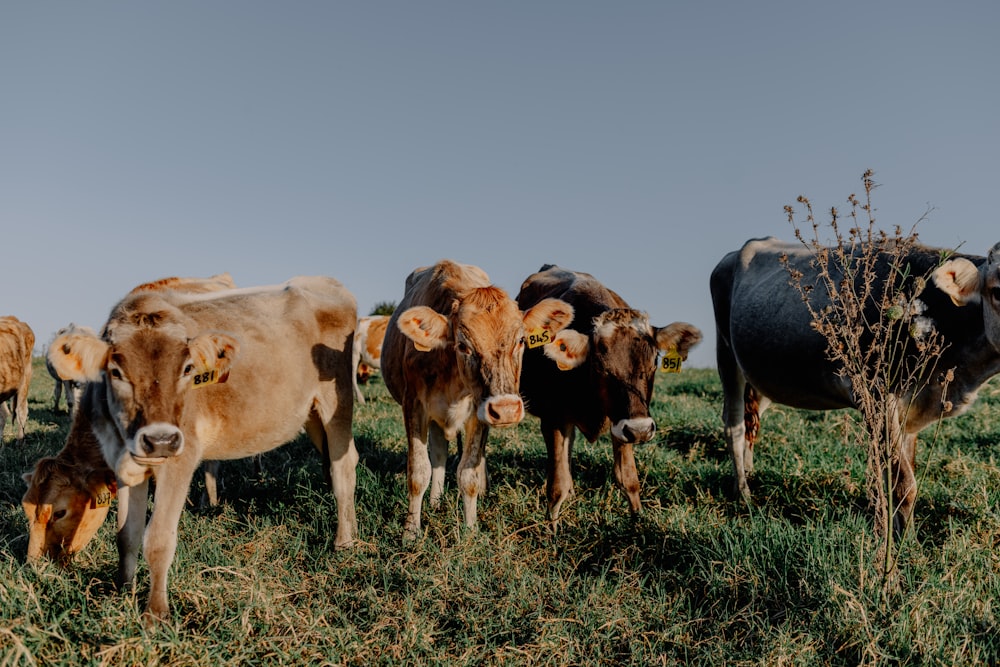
(622, 350)
(965, 284)
(65, 503)
(146, 376)
(486, 333)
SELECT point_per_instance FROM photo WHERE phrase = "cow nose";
(160, 444)
(504, 410)
(634, 430)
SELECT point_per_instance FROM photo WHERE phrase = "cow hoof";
(151, 620)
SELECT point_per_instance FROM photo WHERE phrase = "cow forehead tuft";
(616, 319)
(487, 298)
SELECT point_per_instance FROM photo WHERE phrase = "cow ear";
(568, 350)
(78, 356)
(424, 326)
(959, 279)
(554, 315)
(214, 352)
(679, 336)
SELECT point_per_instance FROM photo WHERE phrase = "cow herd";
(187, 371)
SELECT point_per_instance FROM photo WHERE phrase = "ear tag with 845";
(539, 337)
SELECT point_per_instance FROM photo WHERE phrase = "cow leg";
(418, 469)
(56, 394)
(4, 416)
(626, 476)
(559, 482)
(212, 483)
(472, 468)
(733, 416)
(21, 412)
(159, 544)
(131, 523)
(904, 487)
(437, 445)
(343, 472)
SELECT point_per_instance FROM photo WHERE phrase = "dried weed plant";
(865, 302)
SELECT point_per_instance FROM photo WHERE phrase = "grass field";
(698, 579)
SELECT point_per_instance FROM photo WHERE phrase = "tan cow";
(60, 386)
(16, 343)
(367, 358)
(68, 494)
(184, 377)
(452, 359)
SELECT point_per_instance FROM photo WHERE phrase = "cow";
(16, 343)
(768, 351)
(452, 358)
(179, 378)
(597, 375)
(67, 496)
(367, 356)
(71, 389)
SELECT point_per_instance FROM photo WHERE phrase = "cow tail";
(751, 414)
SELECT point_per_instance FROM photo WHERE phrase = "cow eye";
(116, 374)
(58, 514)
(463, 348)
(995, 293)
(188, 369)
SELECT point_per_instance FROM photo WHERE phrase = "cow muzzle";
(634, 430)
(503, 410)
(155, 443)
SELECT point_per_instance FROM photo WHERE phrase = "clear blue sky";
(638, 141)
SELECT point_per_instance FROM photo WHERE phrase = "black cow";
(769, 352)
(597, 375)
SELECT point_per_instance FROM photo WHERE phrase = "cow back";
(17, 341)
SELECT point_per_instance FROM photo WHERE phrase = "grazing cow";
(70, 388)
(367, 357)
(16, 343)
(595, 376)
(181, 377)
(769, 352)
(68, 494)
(452, 358)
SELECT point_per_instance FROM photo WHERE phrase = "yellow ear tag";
(203, 378)
(420, 347)
(102, 498)
(539, 337)
(671, 362)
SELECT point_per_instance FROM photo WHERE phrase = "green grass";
(699, 578)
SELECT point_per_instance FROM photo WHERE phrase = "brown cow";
(16, 343)
(180, 378)
(367, 358)
(66, 499)
(596, 376)
(452, 359)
